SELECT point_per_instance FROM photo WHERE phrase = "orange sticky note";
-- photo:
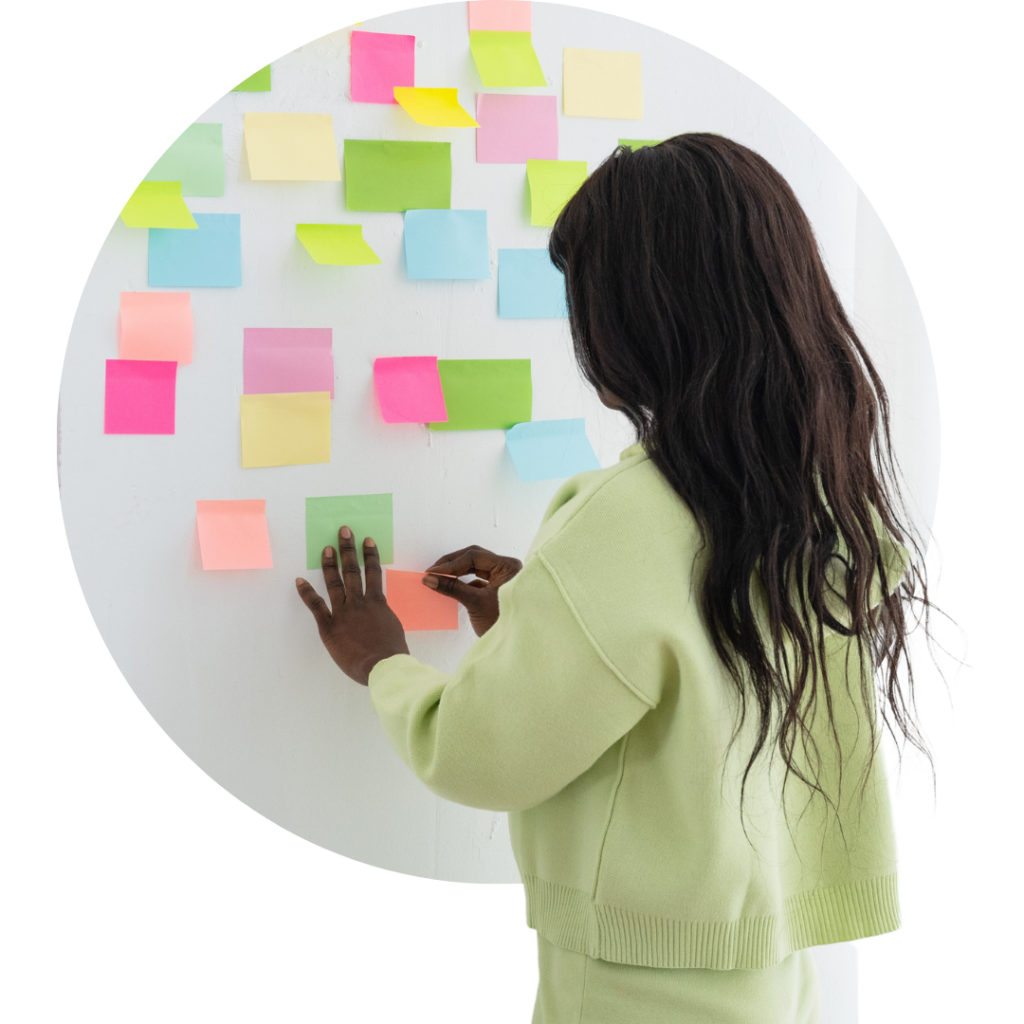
(417, 606)
(155, 325)
(233, 534)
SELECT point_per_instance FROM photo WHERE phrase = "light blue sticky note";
(446, 244)
(550, 449)
(529, 284)
(208, 258)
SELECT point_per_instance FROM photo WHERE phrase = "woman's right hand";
(479, 596)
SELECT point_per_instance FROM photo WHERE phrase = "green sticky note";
(260, 82)
(399, 176)
(338, 244)
(506, 59)
(639, 143)
(485, 394)
(157, 204)
(367, 515)
(552, 184)
(196, 159)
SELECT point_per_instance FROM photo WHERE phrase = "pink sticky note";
(409, 389)
(380, 61)
(233, 534)
(417, 606)
(500, 16)
(515, 128)
(139, 396)
(278, 360)
(155, 325)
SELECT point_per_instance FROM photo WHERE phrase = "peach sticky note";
(409, 389)
(233, 534)
(500, 15)
(380, 61)
(601, 83)
(155, 325)
(417, 606)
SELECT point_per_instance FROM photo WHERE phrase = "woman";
(674, 697)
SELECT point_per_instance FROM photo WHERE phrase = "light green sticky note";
(367, 515)
(485, 394)
(552, 184)
(342, 245)
(639, 143)
(260, 82)
(196, 159)
(506, 59)
(399, 176)
(157, 204)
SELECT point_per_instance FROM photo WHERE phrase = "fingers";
(473, 559)
(350, 563)
(332, 579)
(315, 603)
(371, 565)
(466, 594)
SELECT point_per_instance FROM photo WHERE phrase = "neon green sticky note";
(485, 394)
(196, 159)
(552, 184)
(366, 515)
(338, 244)
(436, 107)
(506, 59)
(157, 204)
(399, 176)
(260, 82)
(639, 143)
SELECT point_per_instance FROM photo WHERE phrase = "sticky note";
(366, 515)
(210, 257)
(233, 534)
(485, 394)
(506, 59)
(437, 107)
(601, 83)
(550, 449)
(158, 204)
(139, 396)
(259, 82)
(409, 389)
(155, 325)
(279, 360)
(639, 143)
(196, 159)
(291, 147)
(399, 176)
(446, 244)
(340, 245)
(286, 429)
(500, 15)
(552, 184)
(514, 129)
(380, 61)
(417, 606)
(529, 284)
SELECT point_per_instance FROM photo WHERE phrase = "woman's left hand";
(358, 629)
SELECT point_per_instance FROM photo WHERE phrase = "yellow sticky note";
(291, 429)
(157, 204)
(552, 184)
(291, 147)
(601, 83)
(437, 107)
(338, 244)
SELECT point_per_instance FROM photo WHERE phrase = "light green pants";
(577, 989)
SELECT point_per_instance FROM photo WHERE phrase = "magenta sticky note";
(278, 360)
(409, 389)
(380, 61)
(139, 396)
(515, 128)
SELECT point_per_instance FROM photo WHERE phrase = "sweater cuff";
(392, 660)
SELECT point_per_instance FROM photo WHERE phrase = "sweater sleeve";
(532, 705)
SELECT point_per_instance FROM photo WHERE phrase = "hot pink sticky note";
(409, 389)
(233, 534)
(417, 606)
(500, 16)
(155, 325)
(380, 61)
(515, 128)
(278, 360)
(139, 396)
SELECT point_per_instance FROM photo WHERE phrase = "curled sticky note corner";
(438, 108)
(340, 245)
(157, 204)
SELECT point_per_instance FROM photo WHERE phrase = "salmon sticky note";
(233, 534)
(155, 325)
(409, 389)
(500, 15)
(279, 360)
(380, 61)
(291, 147)
(286, 430)
(514, 129)
(417, 606)
(601, 83)
(139, 396)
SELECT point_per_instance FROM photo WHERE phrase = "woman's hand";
(479, 596)
(358, 629)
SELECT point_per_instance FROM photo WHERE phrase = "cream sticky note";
(157, 204)
(436, 107)
(155, 325)
(286, 429)
(233, 534)
(602, 83)
(341, 245)
(552, 184)
(291, 147)
(417, 606)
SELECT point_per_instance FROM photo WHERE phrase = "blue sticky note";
(529, 284)
(208, 258)
(550, 449)
(446, 244)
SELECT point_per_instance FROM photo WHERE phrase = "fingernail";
(346, 532)
(430, 581)
(369, 542)
(299, 581)
(328, 552)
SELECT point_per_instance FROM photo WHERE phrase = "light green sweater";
(596, 712)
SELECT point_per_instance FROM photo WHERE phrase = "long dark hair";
(698, 299)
